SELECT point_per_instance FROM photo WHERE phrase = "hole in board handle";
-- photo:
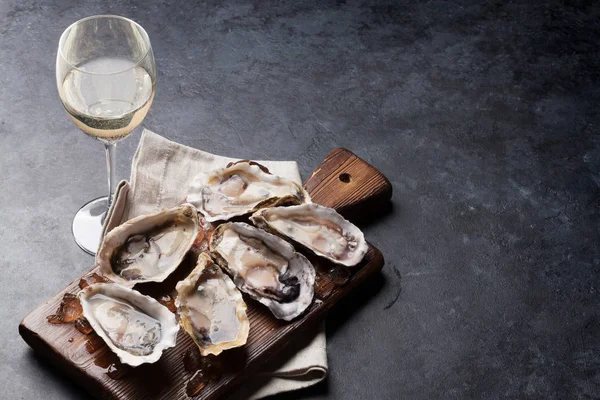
(345, 177)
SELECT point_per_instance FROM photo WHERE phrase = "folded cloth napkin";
(161, 173)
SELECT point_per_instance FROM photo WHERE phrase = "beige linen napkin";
(160, 176)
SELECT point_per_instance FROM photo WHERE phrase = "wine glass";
(106, 80)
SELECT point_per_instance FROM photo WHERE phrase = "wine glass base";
(87, 224)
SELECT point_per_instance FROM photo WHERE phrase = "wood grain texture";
(85, 359)
(349, 184)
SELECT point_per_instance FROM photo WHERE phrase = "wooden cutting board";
(342, 181)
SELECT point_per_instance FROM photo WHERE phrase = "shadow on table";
(349, 306)
(71, 389)
(375, 215)
(336, 320)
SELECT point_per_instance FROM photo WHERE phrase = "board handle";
(349, 184)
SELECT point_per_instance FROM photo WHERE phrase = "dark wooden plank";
(85, 358)
(349, 184)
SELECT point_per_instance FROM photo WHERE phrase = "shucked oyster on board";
(241, 188)
(211, 309)
(148, 248)
(135, 327)
(265, 267)
(320, 229)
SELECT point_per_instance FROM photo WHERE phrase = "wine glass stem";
(110, 168)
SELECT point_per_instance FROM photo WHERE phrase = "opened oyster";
(135, 327)
(266, 267)
(320, 229)
(211, 309)
(241, 188)
(148, 248)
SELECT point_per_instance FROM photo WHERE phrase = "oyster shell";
(266, 267)
(148, 248)
(211, 309)
(135, 327)
(241, 188)
(320, 229)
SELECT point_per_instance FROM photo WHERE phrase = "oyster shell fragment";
(241, 188)
(320, 229)
(148, 248)
(211, 309)
(265, 267)
(135, 327)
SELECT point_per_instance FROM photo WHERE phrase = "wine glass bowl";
(106, 75)
(106, 78)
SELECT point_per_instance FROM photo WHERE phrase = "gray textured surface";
(484, 117)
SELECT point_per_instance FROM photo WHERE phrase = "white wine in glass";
(106, 79)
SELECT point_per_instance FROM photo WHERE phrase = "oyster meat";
(135, 327)
(266, 267)
(320, 229)
(241, 188)
(211, 309)
(148, 248)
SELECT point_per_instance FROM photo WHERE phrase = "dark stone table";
(483, 116)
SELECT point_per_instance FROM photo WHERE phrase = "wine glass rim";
(138, 26)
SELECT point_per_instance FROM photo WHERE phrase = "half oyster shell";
(320, 229)
(135, 327)
(211, 309)
(148, 248)
(241, 188)
(266, 267)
